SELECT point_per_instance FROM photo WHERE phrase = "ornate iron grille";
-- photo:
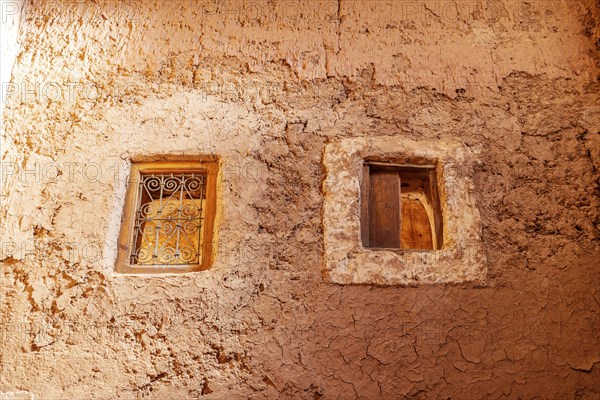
(169, 219)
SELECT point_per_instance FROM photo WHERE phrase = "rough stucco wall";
(9, 27)
(11, 13)
(267, 88)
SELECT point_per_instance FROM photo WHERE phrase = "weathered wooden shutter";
(384, 209)
(416, 228)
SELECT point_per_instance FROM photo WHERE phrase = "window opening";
(400, 207)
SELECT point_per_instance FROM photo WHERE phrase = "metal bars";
(169, 217)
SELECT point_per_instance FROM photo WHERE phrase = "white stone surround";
(346, 261)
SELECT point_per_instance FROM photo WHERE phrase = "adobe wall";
(267, 85)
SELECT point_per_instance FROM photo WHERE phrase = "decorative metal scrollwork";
(168, 220)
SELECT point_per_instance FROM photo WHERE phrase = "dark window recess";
(400, 207)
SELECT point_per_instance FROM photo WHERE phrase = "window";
(400, 207)
(399, 211)
(168, 219)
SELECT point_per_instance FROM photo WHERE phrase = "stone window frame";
(208, 165)
(462, 257)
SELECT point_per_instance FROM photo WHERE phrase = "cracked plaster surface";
(268, 88)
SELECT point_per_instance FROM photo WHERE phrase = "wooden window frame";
(429, 171)
(208, 167)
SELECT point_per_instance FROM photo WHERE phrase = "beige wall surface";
(267, 85)
(11, 13)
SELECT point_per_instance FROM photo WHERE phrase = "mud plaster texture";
(9, 48)
(267, 88)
